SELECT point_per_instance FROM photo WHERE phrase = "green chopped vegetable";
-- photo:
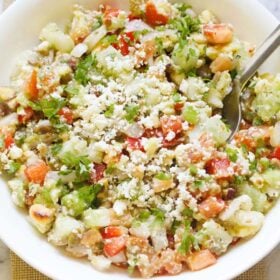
(131, 112)
(110, 111)
(13, 167)
(81, 165)
(51, 106)
(79, 200)
(232, 154)
(163, 176)
(83, 68)
(191, 115)
(185, 25)
(187, 240)
(144, 215)
(176, 97)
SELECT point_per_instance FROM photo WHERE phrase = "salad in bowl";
(112, 138)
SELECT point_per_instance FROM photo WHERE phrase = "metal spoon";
(232, 106)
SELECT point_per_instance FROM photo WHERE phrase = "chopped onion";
(9, 120)
(94, 37)
(135, 131)
(79, 50)
(119, 258)
(136, 25)
(100, 262)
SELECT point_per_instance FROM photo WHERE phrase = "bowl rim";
(43, 269)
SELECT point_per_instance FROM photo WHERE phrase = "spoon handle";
(264, 51)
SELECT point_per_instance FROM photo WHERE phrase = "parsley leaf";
(83, 68)
(97, 23)
(110, 111)
(131, 112)
(176, 97)
(187, 240)
(13, 167)
(50, 106)
(159, 215)
(79, 200)
(81, 165)
(185, 25)
(72, 90)
(109, 40)
(55, 148)
(232, 154)
(163, 176)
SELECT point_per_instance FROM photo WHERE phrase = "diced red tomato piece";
(67, 114)
(37, 172)
(153, 17)
(109, 14)
(276, 153)
(249, 137)
(98, 172)
(113, 246)
(217, 165)
(111, 232)
(211, 207)
(26, 115)
(172, 143)
(153, 132)
(171, 124)
(8, 140)
(124, 42)
(200, 260)
(134, 143)
(31, 86)
(178, 106)
(132, 17)
(218, 33)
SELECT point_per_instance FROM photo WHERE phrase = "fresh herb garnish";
(163, 176)
(232, 154)
(188, 240)
(13, 167)
(131, 112)
(83, 68)
(51, 106)
(110, 111)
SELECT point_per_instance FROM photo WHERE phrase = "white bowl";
(19, 29)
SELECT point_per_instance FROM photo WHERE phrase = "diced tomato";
(276, 153)
(98, 172)
(218, 33)
(31, 86)
(37, 172)
(26, 115)
(132, 17)
(211, 207)
(178, 106)
(111, 232)
(67, 114)
(153, 132)
(124, 42)
(153, 17)
(249, 137)
(113, 246)
(217, 165)
(171, 124)
(172, 143)
(134, 143)
(109, 14)
(200, 260)
(8, 140)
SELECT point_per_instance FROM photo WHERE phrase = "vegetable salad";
(112, 138)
